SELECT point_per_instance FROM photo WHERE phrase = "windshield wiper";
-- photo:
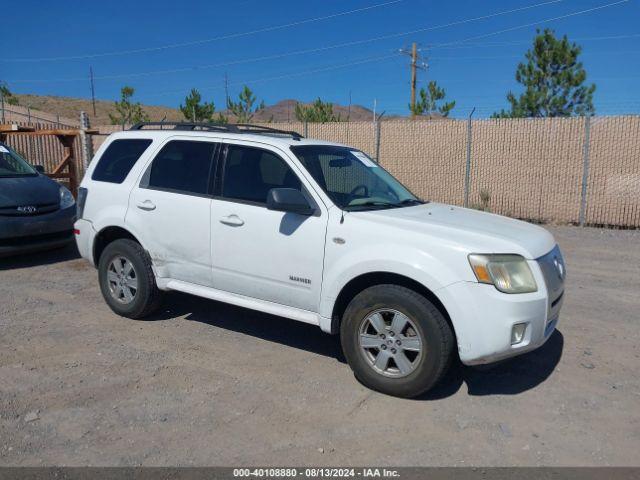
(411, 201)
(372, 203)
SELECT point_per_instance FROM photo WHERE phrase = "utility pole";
(93, 91)
(414, 58)
(2, 104)
(416, 64)
(226, 89)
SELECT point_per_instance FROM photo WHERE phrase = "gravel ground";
(205, 383)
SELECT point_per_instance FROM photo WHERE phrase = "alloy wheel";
(122, 280)
(390, 343)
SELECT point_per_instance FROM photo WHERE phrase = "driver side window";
(347, 179)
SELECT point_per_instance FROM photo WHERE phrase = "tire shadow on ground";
(509, 377)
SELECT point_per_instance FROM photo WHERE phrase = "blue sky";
(135, 43)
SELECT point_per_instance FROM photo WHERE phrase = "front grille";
(35, 239)
(554, 272)
(555, 302)
(29, 210)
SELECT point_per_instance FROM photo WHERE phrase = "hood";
(28, 190)
(471, 230)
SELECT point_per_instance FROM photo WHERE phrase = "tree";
(554, 81)
(194, 110)
(9, 98)
(318, 111)
(244, 109)
(220, 118)
(126, 111)
(428, 104)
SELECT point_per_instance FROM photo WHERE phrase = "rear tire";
(127, 281)
(403, 363)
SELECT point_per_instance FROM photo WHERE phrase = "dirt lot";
(205, 383)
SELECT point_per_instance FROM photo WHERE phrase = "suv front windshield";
(352, 180)
(12, 164)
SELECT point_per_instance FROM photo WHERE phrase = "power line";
(532, 24)
(318, 70)
(202, 41)
(285, 76)
(514, 43)
(580, 12)
(496, 57)
(484, 57)
(295, 52)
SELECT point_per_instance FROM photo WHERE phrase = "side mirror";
(288, 200)
(39, 169)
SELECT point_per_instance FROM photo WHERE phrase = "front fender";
(410, 262)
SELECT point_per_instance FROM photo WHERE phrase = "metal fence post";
(85, 141)
(306, 129)
(585, 170)
(467, 170)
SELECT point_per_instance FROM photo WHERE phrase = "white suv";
(320, 233)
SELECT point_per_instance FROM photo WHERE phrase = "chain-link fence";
(561, 170)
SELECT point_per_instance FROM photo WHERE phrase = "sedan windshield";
(352, 180)
(12, 164)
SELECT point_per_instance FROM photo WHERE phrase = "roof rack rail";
(217, 127)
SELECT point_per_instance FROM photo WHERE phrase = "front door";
(260, 253)
(171, 210)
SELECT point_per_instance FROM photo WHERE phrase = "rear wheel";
(127, 281)
(395, 340)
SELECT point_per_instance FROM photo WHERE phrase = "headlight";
(66, 199)
(508, 273)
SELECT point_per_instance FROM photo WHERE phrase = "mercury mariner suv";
(317, 232)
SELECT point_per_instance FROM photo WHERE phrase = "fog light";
(517, 333)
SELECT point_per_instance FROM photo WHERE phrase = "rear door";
(170, 209)
(261, 253)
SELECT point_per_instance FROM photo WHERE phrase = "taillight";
(81, 200)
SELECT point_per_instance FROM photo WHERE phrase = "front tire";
(395, 340)
(127, 281)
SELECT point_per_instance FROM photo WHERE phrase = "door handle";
(232, 221)
(146, 205)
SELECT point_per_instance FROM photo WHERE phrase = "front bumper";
(26, 234)
(483, 317)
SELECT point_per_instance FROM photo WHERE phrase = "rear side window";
(181, 166)
(250, 173)
(118, 160)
